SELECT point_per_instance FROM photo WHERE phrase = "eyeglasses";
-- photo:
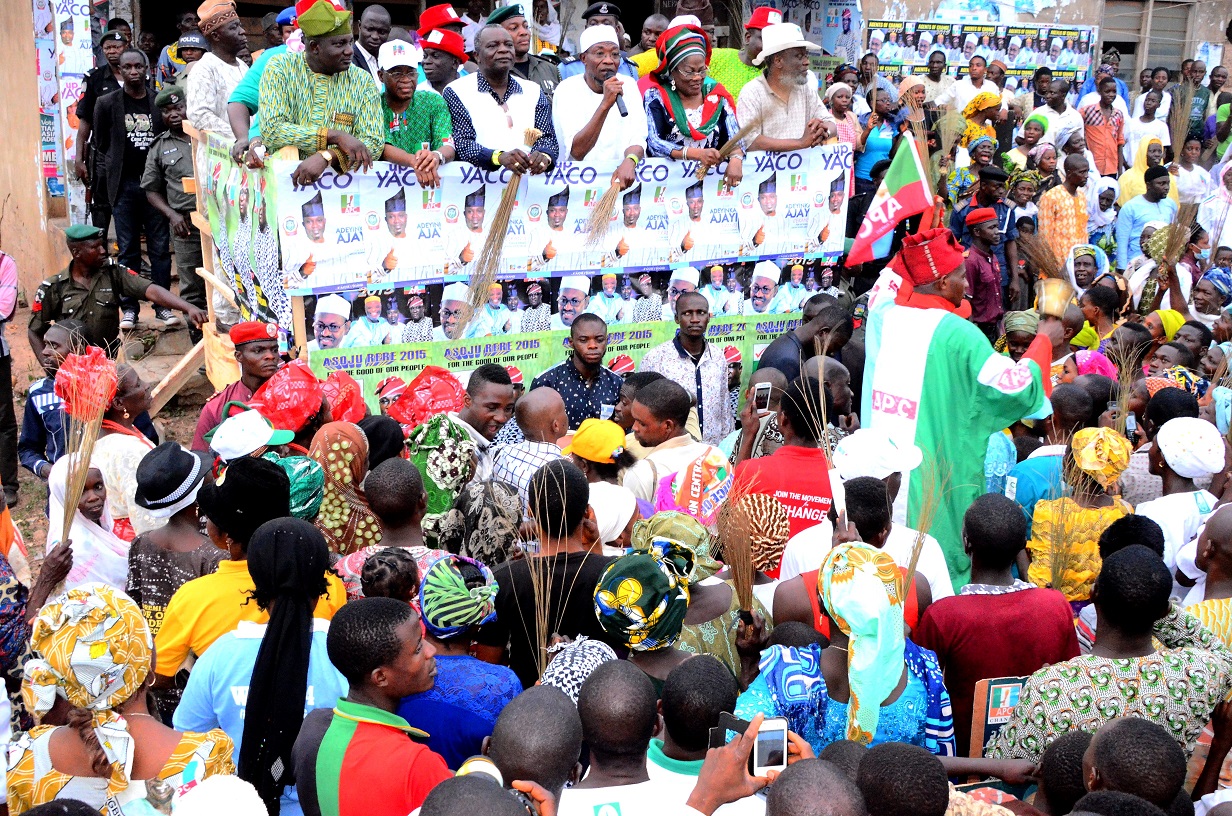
(329, 327)
(575, 302)
(401, 73)
(700, 73)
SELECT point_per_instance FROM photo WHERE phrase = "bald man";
(540, 413)
(1210, 598)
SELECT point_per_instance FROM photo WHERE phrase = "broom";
(1041, 257)
(935, 481)
(484, 274)
(86, 384)
(601, 215)
(729, 147)
(1125, 360)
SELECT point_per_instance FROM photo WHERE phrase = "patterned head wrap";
(663, 531)
(307, 483)
(1102, 453)
(642, 597)
(341, 450)
(768, 528)
(1183, 379)
(982, 101)
(1192, 447)
(1027, 322)
(448, 605)
(1039, 150)
(93, 648)
(446, 456)
(483, 523)
(681, 43)
(1221, 279)
(862, 590)
(573, 663)
(981, 139)
(1156, 384)
(1093, 362)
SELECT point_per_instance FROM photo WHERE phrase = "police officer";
(532, 67)
(89, 290)
(167, 164)
(601, 13)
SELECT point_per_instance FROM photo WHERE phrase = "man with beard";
(215, 75)
(167, 164)
(331, 323)
(720, 298)
(780, 100)
(537, 316)
(339, 126)
(443, 54)
(372, 32)
(371, 329)
(607, 302)
(528, 66)
(762, 288)
(683, 239)
(571, 300)
(468, 242)
(418, 328)
(256, 350)
(590, 390)
(683, 280)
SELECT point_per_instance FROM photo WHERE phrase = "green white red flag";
(904, 192)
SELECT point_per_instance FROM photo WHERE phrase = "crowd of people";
(586, 595)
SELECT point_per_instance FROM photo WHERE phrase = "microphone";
(620, 100)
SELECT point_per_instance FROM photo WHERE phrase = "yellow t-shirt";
(206, 608)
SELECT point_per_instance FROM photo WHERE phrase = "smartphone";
(770, 752)
(1131, 426)
(1112, 409)
(761, 397)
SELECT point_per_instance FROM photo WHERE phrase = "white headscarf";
(1098, 219)
(613, 506)
(98, 553)
(1192, 447)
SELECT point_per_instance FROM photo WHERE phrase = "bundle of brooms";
(934, 476)
(488, 262)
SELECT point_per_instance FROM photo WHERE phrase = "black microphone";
(620, 100)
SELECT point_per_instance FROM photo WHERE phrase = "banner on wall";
(903, 46)
(381, 229)
(66, 52)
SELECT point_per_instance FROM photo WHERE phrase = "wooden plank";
(222, 288)
(177, 377)
(300, 326)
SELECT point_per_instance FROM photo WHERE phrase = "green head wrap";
(324, 19)
(449, 606)
(642, 598)
(663, 533)
(445, 456)
(307, 483)
(1027, 322)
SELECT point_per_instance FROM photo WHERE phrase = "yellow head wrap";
(1102, 453)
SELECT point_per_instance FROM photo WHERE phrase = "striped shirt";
(299, 105)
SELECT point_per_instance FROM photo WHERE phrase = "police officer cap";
(606, 9)
(169, 96)
(83, 232)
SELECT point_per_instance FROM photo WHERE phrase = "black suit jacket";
(110, 138)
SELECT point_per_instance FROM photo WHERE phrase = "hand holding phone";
(770, 751)
(761, 397)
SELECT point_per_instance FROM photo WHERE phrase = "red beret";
(928, 256)
(621, 364)
(731, 354)
(978, 215)
(252, 331)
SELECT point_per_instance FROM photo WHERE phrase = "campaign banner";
(904, 46)
(73, 57)
(534, 353)
(381, 230)
(239, 203)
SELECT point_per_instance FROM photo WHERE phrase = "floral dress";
(1083, 527)
(717, 637)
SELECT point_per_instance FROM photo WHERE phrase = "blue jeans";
(132, 213)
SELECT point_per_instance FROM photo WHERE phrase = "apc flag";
(903, 193)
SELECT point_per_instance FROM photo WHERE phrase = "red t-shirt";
(798, 477)
(983, 636)
(211, 414)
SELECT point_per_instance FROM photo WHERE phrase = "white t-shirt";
(807, 549)
(1180, 516)
(574, 103)
(677, 785)
(1165, 105)
(1136, 130)
(620, 800)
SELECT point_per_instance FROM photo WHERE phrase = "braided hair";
(390, 573)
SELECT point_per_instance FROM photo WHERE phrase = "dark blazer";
(109, 138)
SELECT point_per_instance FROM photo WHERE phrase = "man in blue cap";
(89, 289)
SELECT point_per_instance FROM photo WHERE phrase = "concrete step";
(155, 367)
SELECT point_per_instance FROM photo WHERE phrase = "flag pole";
(928, 217)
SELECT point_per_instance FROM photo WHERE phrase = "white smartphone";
(761, 397)
(770, 752)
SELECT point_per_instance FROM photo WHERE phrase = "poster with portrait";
(790, 206)
(69, 37)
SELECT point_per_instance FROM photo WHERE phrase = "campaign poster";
(74, 56)
(703, 219)
(792, 206)
(471, 197)
(558, 207)
(842, 35)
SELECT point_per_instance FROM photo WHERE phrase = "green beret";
(83, 232)
(504, 13)
(169, 96)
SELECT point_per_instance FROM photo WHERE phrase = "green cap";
(169, 96)
(83, 232)
(505, 13)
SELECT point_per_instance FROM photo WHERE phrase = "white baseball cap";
(246, 433)
(334, 305)
(397, 53)
(871, 452)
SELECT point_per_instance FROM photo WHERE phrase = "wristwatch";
(325, 154)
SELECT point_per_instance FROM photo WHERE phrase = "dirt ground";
(30, 513)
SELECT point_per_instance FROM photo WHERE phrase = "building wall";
(25, 224)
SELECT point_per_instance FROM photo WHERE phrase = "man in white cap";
(590, 124)
(876, 42)
(331, 324)
(455, 307)
(684, 279)
(870, 452)
(572, 300)
(695, 365)
(788, 114)
(247, 433)
(969, 44)
(762, 288)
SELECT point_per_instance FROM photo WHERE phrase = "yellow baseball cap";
(595, 440)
